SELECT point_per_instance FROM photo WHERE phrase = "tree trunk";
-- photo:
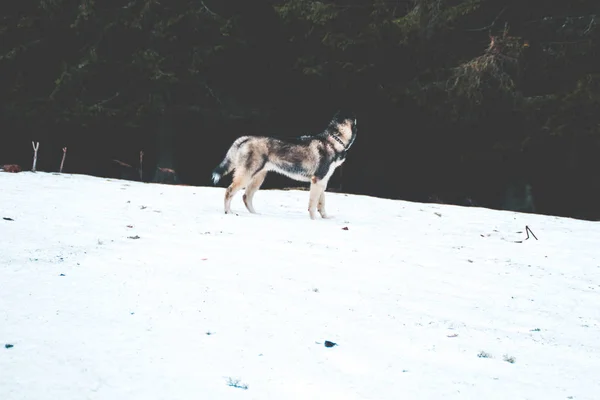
(165, 151)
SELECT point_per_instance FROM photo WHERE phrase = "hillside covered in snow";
(124, 290)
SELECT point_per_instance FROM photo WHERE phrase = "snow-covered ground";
(121, 290)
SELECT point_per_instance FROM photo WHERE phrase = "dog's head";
(343, 117)
(344, 123)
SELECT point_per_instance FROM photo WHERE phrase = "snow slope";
(413, 295)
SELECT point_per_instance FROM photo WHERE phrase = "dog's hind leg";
(240, 180)
(317, 188)
(252, 188)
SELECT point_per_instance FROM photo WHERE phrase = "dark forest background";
(488, 102)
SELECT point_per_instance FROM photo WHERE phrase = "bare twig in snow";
(527, 230)
(62, 162)
(509, 359)
(237, 383)
(36, 146)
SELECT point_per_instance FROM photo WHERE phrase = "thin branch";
(490, 26)
(208, 9)
(35, 146)
(591, 25)
(141, 165)
(62, 162)
(122, 164)
(555, 17)
(213, 94)
(567, 42)
(103, 102)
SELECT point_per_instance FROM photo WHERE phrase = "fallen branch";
(527, 230)
(62, 162)
(36, 146)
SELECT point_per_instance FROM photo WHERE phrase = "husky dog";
(306, 159)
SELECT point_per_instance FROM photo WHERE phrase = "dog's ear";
(344, 114)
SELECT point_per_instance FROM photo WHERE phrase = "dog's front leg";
(321, 205)
(317, 187)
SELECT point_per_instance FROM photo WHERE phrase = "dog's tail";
(221, 170)
(226, 165)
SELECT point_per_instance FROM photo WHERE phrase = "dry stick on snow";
(141, 164)
(527, 230)
(62, 162)
(36, 146)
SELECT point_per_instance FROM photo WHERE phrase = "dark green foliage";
(456, 99)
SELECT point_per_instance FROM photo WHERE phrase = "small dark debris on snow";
(8, 346)
(483, 354)
(330, 344)
(509, 359)
(62, 275)
(133, 237)
(438, 214)
(7, 219)
(237, 383)
(143, 207)
(130, 226)
(471, 261)
(208, 333)
(345, 228)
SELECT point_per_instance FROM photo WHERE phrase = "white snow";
(411, 293)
